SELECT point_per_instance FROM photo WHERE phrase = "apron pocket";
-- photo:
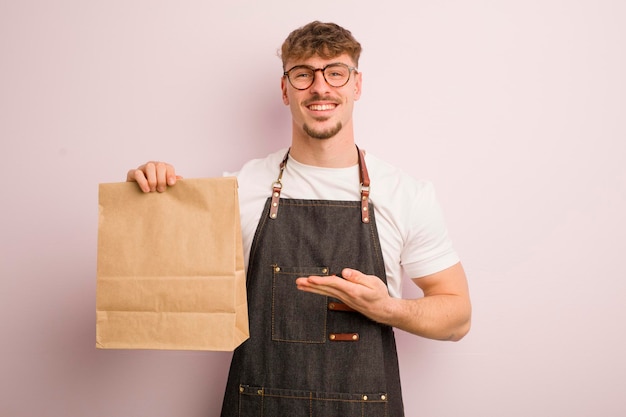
(297, 316)
(263, 401)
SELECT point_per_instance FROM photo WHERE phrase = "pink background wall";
(516, 110)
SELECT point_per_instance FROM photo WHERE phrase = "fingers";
(331, 285)
(322, 285)
(138, 176)
(153, 176)
(352, 286)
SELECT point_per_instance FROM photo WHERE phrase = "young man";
(325, 254)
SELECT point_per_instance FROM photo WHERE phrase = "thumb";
(357, 277)
(171, 180)
(351, 274)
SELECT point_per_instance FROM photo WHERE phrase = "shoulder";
(406, 205)
(255, 180)
(259, 173)
(267, 164)
(392, 184)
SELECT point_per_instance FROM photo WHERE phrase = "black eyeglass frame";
(350, 69)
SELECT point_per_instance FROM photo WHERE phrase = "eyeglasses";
(301, 77)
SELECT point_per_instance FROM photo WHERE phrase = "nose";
(319, 82)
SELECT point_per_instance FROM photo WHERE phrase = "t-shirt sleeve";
(428, 248)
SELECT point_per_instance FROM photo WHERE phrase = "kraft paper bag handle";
(170, 269)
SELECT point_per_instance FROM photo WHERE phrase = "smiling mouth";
(322, 107)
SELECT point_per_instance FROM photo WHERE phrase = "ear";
(283, 88)
(358, 82)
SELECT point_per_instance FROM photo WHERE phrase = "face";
(322, 111)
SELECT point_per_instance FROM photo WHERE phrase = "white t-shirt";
(410, 224)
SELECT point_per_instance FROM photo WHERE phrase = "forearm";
(440, 317)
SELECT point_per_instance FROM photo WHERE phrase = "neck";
(336, 152)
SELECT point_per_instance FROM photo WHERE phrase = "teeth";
(322, 107)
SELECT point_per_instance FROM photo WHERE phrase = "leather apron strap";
(364, 187)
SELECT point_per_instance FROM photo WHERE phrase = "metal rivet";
(240, 389)
(275, 194)
(260, 392)
(355, 336)
(275, 204)
(364, 208)
(332, 337)
(324, 270)
(383, 397)
(363, 198)
(365, 398)
(277, 269)
(331, 306)
(366, 219)
(273, 215)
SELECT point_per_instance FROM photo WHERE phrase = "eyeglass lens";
(301, 77)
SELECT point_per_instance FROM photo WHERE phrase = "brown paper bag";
(170, 271)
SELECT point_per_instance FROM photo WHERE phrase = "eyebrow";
(327, 65)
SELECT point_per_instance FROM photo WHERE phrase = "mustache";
(316, 98)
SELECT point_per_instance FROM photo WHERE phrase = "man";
(325, 253)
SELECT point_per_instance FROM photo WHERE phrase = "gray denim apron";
(311, 355)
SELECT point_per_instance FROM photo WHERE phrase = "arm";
(153, 176)
(443, 313)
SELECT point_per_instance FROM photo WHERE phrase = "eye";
(301, 73)
(336, 72)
